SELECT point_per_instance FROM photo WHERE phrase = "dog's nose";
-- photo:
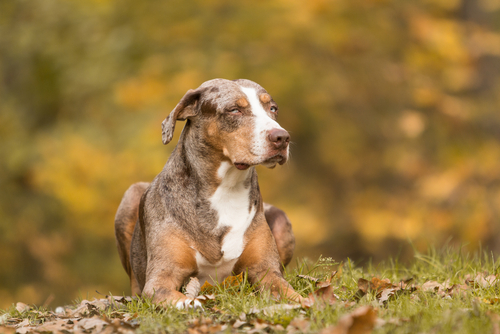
(279, 137)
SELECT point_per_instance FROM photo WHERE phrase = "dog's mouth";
(241, 165)
(272, 161)
(269, 162)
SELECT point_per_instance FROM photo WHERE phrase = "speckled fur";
(174, 219)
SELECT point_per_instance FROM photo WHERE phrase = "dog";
(203, 215)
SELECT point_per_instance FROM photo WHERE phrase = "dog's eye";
(273, 109)
(234, 111)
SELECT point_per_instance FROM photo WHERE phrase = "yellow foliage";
(73, 171)
(137, 93)
(392, 107)
(309, 230)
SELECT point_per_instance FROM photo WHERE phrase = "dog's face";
(237, 118)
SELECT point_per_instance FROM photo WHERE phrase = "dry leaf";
(233, 281)
(7, 330)
(269, 310)
(54, 326)
(325, 295)
(360, 321)
(301, 324)
(238, 323)
(230, 281)
(363, 288)
(378, 285)
(23, 323)
(432, 286)
(193, 288)
(90, 323)
(207, 288)
(22, 307)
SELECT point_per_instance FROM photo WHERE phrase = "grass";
(454, 307)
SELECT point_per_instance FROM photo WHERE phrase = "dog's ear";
(187, 107)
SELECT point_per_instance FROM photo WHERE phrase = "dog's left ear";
(187, 107)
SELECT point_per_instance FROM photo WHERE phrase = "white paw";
(188, 303)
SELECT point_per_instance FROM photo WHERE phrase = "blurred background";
(393, 107)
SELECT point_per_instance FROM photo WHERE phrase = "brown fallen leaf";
(363, 288)
(238, 323)
(432, 286)
(270, 310)
(378, 285)
(328, 281)
(260, 324)
(325, 294)
(233, 281)
(23, 323)
(91, 323)
(7, 330)
(22, 307)
(360, 321)
(386, 294)
(193, 288)
(480, 281)
(230, 281)
(383, 289)
(300, 323)
(207, 288)
(54, 326)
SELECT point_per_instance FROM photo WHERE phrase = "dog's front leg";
(261, 260)
(171, 263)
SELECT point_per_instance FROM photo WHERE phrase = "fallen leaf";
(23, 323)
(230, 281)
(22, 307)
(91, 323)
(360, 321)
(238, 323)
(432, 286)
(193, 288)
(7, 330)
(363, 288)
(270, 310)
(386, 294)
(233, 281)
(325, 294)
(378, 285)
(207, 288)
(260, 324)
(54, 326)
(301, 324)
(4, 318)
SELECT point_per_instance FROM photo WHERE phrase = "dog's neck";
(231, 197)
(209, 164)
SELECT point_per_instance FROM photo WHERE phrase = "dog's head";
(237, 118)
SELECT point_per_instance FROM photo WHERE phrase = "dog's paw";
(188, 303)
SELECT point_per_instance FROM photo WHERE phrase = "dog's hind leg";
(125, 220)
(282, 231)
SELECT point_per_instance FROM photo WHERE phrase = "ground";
(448, 291)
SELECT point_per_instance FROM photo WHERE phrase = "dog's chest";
(231, 201)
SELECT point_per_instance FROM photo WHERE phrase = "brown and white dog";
(203, 215)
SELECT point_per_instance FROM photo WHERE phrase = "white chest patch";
(231, 201)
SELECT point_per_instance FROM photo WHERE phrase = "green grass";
(419, 311)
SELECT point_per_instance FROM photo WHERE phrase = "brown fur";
(172, 219)
(265, 98)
